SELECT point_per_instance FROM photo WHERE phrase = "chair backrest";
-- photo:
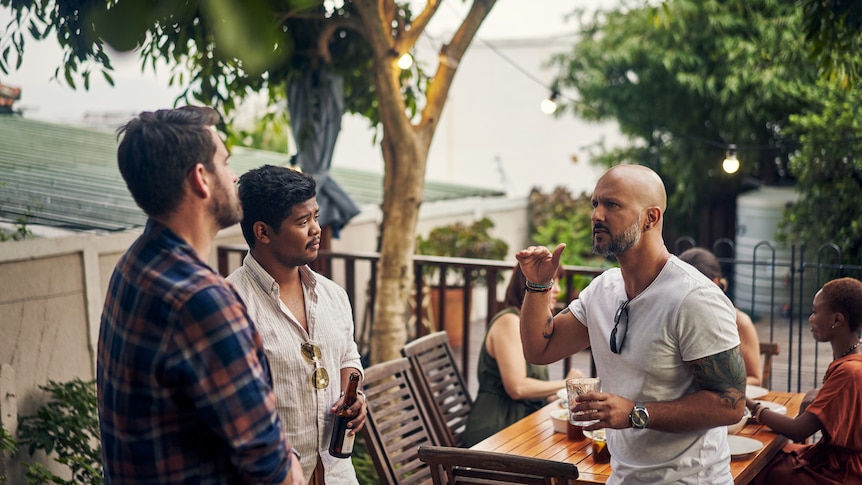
(441, 386)
(451, 465)
(767, 351)
(396, 424)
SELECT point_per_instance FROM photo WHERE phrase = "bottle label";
(347, 443)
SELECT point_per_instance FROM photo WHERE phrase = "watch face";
(639, 417)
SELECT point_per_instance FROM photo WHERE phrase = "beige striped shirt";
(304, 410)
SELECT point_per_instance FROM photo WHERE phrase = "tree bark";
(405, 147)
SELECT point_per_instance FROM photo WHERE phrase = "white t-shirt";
(680, 317)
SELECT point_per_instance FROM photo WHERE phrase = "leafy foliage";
(687, 78)
(67, 428)
(833, 27)
(460, 240)
(828, 168)
(220, 51)
(269, 132)
(363, 463)
(559, 217)
(8, 445)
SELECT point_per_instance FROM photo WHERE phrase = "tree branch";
(408, 39)
(450, 56)
(328, 31)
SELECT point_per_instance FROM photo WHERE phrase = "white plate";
(741, 446)
(754, 392)
(563, 395)
(773, 406)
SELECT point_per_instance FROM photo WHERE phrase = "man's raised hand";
(538, 264)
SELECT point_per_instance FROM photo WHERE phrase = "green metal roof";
(65, 176)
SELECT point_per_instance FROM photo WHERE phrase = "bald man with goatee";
(662, 335)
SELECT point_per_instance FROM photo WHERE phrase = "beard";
(621, 243)
(226, 207)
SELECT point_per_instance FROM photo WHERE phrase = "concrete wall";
(52, 291)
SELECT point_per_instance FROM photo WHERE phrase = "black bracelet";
(530, 289)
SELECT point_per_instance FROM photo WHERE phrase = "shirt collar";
(268, 283)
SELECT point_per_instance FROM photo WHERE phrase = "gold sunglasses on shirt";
(320, 377)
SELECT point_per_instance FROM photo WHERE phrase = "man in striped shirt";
(304, 319)
(184, 388)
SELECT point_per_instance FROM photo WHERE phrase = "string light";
(405, 61)
(730, 163)
(549, 105)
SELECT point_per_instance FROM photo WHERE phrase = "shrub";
(559, 217)
(459, 240)
(8, 445)
(66, 428)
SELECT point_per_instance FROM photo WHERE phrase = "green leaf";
(108, 77)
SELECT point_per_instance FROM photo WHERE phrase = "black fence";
(774, 284)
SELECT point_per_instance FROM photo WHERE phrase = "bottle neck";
(350, 392)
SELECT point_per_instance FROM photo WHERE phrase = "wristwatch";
(639, 416)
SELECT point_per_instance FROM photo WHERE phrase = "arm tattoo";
(722, 373)
(549, 324)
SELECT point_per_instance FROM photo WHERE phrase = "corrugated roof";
(65, 176)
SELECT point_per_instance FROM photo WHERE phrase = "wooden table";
(534, 436)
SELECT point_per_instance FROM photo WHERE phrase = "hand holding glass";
(577, 386)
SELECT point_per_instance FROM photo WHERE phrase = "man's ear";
(261, 231)
(199, 181)
(653, 216)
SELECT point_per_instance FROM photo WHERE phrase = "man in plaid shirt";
(184, 387)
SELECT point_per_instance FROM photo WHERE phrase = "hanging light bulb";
(405, 61)
(549, 105)
(730, 163)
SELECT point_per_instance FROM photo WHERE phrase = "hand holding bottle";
(350, 411)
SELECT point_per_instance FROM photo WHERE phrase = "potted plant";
(458, 240)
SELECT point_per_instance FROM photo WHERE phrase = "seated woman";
(837, 408)
(749, 344)
(509, 387)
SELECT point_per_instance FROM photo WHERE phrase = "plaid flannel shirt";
(184, 387)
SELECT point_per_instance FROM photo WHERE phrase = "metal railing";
(359, 270)
(774, 285)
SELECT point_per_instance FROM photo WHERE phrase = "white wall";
(492, 121)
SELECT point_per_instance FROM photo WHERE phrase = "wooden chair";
(441, 386)
(464, 466)
(767, 351)
(396, 425)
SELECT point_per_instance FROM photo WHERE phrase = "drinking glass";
(577, 386)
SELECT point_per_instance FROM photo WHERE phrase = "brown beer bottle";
(341, 443)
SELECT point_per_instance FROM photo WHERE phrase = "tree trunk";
(405, 147)
(403, 183)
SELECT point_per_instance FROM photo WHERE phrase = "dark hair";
(268, 194)
(515, 291)
(844, 296)
(159, 149)
(703, 260)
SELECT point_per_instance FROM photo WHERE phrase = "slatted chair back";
(441, 385)
(397, 424)
(767, 351)
(462, 466)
